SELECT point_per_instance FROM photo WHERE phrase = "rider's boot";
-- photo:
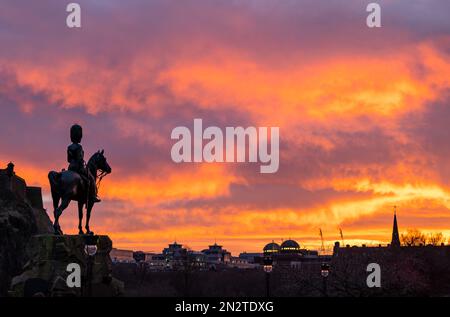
(91, 184)
(96, 199)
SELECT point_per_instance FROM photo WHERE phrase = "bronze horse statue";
(68, 185)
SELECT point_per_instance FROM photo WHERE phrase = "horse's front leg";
(80, 217)
(88, 217)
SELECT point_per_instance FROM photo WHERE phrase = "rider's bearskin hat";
(76, 133)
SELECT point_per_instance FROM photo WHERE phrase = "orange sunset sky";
(364, 115)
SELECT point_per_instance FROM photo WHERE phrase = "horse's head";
(100, 162)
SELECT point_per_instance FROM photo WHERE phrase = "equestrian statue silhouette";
(78, 183)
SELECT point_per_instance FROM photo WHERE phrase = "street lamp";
(90, 249)
(267, 262)
(325, 271)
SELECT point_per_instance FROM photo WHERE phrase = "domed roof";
(290, 245)
(272, 247)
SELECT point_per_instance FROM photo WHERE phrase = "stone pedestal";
(45, 274)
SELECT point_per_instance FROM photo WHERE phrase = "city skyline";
(363, 115)
(323, 247)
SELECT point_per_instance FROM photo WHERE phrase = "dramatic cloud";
(363, 114)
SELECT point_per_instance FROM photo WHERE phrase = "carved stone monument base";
(46, 273)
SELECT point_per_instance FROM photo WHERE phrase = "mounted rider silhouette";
(75, 158)
(79, 183)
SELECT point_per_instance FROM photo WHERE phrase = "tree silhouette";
(436, 238)
(413, 237)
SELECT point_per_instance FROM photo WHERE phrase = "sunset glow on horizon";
(364, 116)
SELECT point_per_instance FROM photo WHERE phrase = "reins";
(100, 177)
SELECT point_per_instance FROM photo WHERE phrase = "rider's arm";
(69, 155)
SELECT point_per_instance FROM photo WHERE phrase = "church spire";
(395, 237)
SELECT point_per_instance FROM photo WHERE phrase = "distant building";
(271, 248)
(290, 254)
(241, 263)
(148, 256)
(122, 256)
(197, 260)
(392, 251)
(178, 258)
(175, 256)
(156, 262)
(290, 247)
(174, 250)
(425, 266)
(215, 254)
(252, 257)
(395, 241)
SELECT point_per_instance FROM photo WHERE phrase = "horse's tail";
(54, 178)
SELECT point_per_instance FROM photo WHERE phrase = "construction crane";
(342, 236)
(322, 248)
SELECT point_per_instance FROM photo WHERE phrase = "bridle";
(99, 176)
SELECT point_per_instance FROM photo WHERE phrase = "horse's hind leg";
(88, 217)
(58, 212)
(80, 217)
(55, 199)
